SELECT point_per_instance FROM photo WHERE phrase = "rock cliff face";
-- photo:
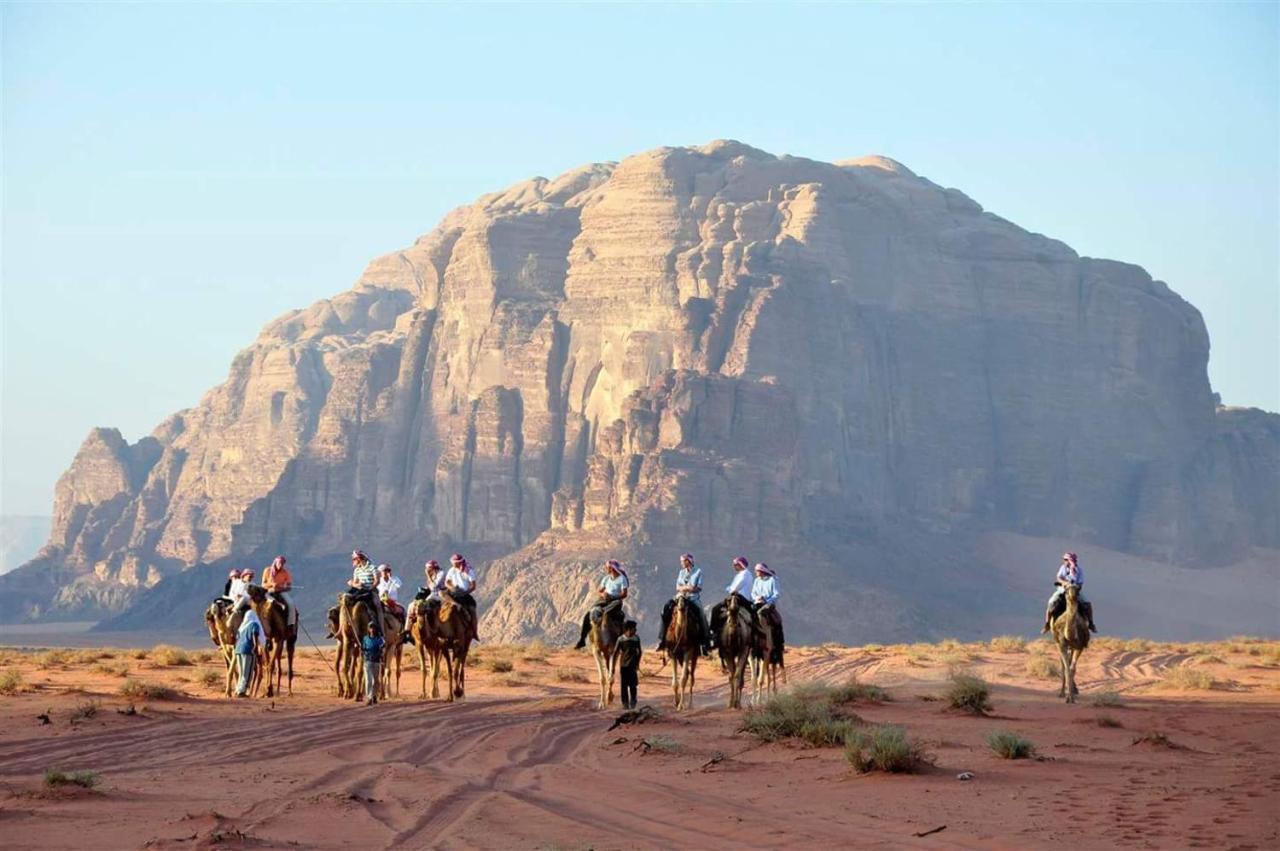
(706, 348)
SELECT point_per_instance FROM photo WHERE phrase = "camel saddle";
(611, 610)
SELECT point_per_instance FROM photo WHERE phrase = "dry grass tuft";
(969, 693)
(1010, 745)
(1156, 739)
(1008, 643)
(1042, 667)
(500, 665)
(806, 712)
(149, 691)
(168, 656)
(1184, 678)
(84, 710)
(212, 678)
(11, 682)
(112, 669)
(1107, 721)
(571, 675)
(883, 748)
(53, 659)
(1107, 698)
(83, 779)
(1138, 645)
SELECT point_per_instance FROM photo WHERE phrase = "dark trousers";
(630, 683)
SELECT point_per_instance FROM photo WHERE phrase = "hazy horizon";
(177, 176)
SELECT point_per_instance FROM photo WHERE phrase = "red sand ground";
(525, 762)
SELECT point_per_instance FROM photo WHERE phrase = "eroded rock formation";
(707, 348)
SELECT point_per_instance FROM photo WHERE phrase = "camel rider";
(459, 582)
(226, 589)
(689, 586)
(739, 586)
(613, 589)
(240, 595)
(1069, 573)
(279, 582)
(764, 596)
(389, 589)
(363, 584)
(430, 592)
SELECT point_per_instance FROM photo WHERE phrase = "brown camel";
(683, 645)
(281, 635)
(735, 641)
(392, 650)
(603, 640)
(354, 617)
(455, 629)
(1071, 633)
(424, 627)
(766, 662)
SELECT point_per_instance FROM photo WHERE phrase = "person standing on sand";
(248, 641)
(371, 646)
(629, 652)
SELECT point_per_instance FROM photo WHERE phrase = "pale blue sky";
(175, 176)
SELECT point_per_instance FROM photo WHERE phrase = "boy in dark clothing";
(629, 652)
(371, 647)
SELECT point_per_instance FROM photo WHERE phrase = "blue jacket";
(371, 646)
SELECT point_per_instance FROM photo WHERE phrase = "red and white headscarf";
(278, 561)
(359, 554)
(616, 565)
(741, 561)
(765, 569)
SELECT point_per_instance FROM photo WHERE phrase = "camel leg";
(1075, 659)
(601, 675)
(231, 671)
(448, 660)
(399, 665)
(293, 645)
(1064, 688)
(461, 690)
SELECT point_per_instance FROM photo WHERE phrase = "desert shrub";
(150, 691)
(1107, 698)
(662, 744)
(1183, 678)
(969, 693)
(883, 748)
(84, 710)
(83, 779)
(1209, 659)
(53, 659)
(11, 682)
(168, 656)
(212, 679)
(1157, 739)
(806, 712)
(1138, 645)
(112, 669)
(1107, 721)
(1042, 667)
(916, 659)
(86, 657)
(873, 648)
(206, 657)
(535, 651)
(501, 666)
(511, 681)
(571, 675)
(1007, 643)
(857, 692)
(1010, 745)
(138, 653)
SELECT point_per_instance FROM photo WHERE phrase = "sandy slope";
(525, 763)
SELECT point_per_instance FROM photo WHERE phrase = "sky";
(174, 176)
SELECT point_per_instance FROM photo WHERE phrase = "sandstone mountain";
(842, 369)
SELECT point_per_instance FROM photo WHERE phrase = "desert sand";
(526, 762)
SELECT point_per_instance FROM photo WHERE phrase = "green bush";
(1010, 745)
(883, 748)
(969, 693)
(805, 712)
(84, 779)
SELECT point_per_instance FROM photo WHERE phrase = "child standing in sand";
(371, 647)
(629, 651)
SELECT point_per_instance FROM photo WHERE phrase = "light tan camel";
(354, 617)
(683, 646)
(735, 641)
(1071, 633)
(392, 651)
(281, 637)
(424, 627)
(603, 640)
(766, 662)
(224, 638)
(455, 629)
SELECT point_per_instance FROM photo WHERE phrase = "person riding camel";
(740, 586)
(1069, 573)
(613, 589)
(389, 589)
(279, 582)
(239, 594)
(363, 584)
(430, 592)
(459, 582)
(226, 589)
(689, 586)
(764, 596)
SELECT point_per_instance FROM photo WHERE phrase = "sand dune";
(524, 762)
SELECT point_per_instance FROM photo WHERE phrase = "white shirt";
(238, 589)
(1074, 576)
(741, 583)
(389, 588)
(765, 589)
(615, 585)
(691, 577)
(435, 586)
(459, 580)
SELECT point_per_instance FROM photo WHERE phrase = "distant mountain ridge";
(842, 369)
(21, 537)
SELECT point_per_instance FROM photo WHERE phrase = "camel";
(683, 645)
(425, 629)
(393, 650)
(1071, 633)
(224, 638)
(454, 628)
(281, 635)
(764, 667)
(735, 641)
(353, 624)
(603, 641)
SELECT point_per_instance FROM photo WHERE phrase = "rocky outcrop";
(709, 348)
